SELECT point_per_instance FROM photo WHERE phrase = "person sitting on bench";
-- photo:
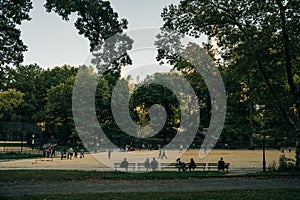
(124, 164)
(221, 164)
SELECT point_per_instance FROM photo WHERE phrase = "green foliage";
(72, 175)
(272, 166)
(256, 42)
(10, 100)
(19, 156)
(12, 13)
(58, 107)
(27, 79)
(285, 164)
(96, 19)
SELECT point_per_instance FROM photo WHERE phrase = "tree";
(12, 13)
(9, 100)
(96, 19)
(26, 79)
(58, 108)
(149, 94)
(263, 34)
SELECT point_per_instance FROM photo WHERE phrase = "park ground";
(241, 161)
(87, 178)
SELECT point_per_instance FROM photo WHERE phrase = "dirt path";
(211, 184)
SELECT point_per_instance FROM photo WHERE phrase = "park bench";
(118, 166)
(142, 166)
(200, 166)
(174, 165)
(215, 166)
(168, 166)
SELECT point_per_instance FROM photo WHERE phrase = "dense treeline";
(31, 94)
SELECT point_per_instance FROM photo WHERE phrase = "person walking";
(109, 153)
(164, 154)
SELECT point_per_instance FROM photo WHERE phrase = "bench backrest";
(129, 164)
(200, 164)
(168, 164)
(212, 164)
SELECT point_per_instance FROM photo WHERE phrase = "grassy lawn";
(274, 194)
(68, 175)
(16, 155)
(15, 145)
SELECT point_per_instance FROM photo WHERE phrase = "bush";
(285, 164)
(272, 166)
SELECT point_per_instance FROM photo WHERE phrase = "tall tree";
(58, 105)
(26, 79)
(12, 13)
(262, 32)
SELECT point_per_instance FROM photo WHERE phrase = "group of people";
(153, 164)
(69, 154)
(48, 152)
(147, 164)
(182, 166)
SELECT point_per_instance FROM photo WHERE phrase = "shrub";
(286, 164)
(272, 166)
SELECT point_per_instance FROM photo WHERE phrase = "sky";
(53, 42)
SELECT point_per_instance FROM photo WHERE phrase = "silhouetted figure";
(53, 152)
(81, 153)
(154, 164)
(159, 155)
(192, 164)
(124, 164)
(147, 164)
(183, 166)
(222, 165)
(164, 154)
(44, 152)
(70, 152)
(109, 153)
(180, 165)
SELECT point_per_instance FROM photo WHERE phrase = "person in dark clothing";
(192, 164)
(124, 164)
(221, 164)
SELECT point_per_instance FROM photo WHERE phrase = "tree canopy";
(12, 13)
(257, 41)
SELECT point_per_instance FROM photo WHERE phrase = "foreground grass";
(275, 194)
(69, 175)
(16, 155)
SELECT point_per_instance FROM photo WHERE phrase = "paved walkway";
(19, 188)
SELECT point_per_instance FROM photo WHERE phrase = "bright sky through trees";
(54, 42)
